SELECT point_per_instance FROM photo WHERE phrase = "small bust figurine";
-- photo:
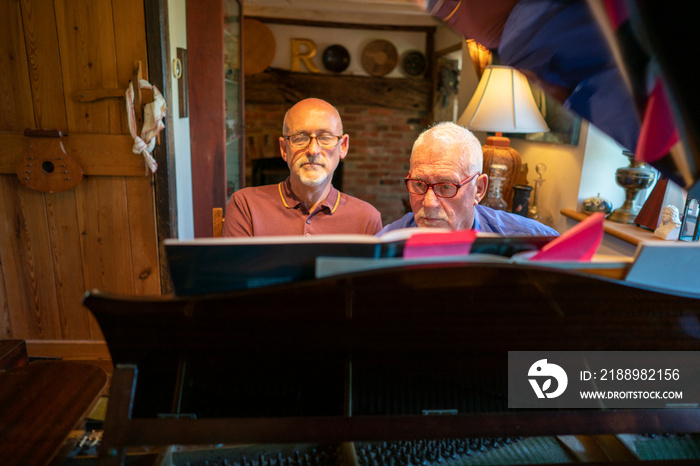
(669, 227)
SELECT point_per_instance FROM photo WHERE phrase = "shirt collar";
(291, 201)
(477, 221)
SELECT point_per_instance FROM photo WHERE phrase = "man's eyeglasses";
(440, 189)
(326, 141)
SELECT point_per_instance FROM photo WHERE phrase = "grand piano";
(403, 355)
(409, 364)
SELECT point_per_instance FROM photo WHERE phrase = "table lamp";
(503, 103)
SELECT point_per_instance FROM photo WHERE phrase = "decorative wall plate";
(414, 63)
(336, 58)
(379, 57)
(259, 46)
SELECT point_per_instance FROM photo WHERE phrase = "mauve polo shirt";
(274, 210)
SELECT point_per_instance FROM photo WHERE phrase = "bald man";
(306, 203)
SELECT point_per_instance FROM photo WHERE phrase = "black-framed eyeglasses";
(440, 189)
(326, 141)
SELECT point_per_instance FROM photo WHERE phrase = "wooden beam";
(279, 86)
(341, 25)
(205, 46)
(97, 154)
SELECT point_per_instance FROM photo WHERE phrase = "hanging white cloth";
(153, 114)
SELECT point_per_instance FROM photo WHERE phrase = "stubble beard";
(311, 176)
(436, 219)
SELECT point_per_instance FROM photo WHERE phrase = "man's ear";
(283, 148)
(344, 145)
(482, 182)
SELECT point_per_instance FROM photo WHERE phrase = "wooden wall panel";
(101, 234)
(129, 27)
(9, 232)
(97, 154)
(67, 264)
(6, 220)
(88, 59)
(5, 324)
(144, 241)
(41, 42)
(16, 98)
(32, 299)
(104, 224)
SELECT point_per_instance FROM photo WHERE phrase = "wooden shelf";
(629, 233)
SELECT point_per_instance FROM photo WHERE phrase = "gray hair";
(455, 139)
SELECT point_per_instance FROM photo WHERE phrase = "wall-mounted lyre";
(46, 166)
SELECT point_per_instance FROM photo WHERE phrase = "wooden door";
(101, 233)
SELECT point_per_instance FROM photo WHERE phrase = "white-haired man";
(445, 185)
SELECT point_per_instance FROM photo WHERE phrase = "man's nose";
(313, 147)
(430, 199)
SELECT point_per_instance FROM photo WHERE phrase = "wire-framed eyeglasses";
(325, 140)
(440, 189)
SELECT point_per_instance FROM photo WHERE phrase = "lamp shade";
(503, 102)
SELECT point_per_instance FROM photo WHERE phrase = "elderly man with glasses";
(445, 185)
(306, 203)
